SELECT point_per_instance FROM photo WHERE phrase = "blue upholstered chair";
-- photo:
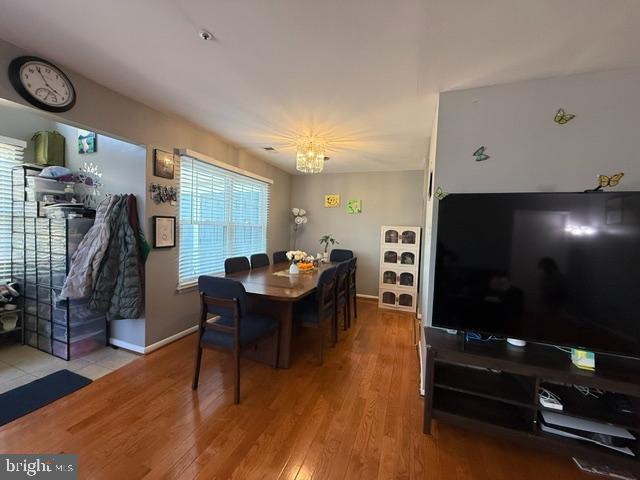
(225, 323)
(352, 287)
(340, 255)
(236, 264)
(280, 257)
(342, 292)
(315, 311)
(259, 260)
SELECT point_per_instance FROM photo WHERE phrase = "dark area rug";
(43, 391)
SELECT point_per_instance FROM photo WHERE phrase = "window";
(11, 153)
(223, 214)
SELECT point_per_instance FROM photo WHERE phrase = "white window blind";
(11, 154)
(222, 214)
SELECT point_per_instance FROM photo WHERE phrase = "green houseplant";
(327, 240)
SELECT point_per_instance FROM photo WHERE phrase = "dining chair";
(315, 310)
(259, 260)
(280, 257)
(352, 287)
(231, 326)
(340, 255)
(236, 264)
(342, 292)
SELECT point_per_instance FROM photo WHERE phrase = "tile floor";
(20, 364)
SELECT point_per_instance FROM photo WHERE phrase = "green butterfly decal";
(480, 155)
(440, 194)
(562, 117)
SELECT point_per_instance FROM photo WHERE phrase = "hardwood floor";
(357, 416)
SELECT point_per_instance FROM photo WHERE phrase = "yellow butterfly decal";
(440, 193)
(612, 181)
(562, 117)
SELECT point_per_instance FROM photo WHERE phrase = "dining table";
(273, 290)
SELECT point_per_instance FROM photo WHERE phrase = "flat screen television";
(553, 268)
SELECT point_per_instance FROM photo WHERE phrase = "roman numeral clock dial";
(42, 84)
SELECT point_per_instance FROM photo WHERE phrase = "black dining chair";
(231, 326)
(340, 255)
(280, 257)
(352, 287)
(342, 292)
(236, 264)
(259, 260)
(315, 311)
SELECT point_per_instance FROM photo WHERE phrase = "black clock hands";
(47, 83)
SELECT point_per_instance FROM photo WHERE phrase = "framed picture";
(164, 232)
(87, 141)
(163, 164)
(354, 206)
(332, 200)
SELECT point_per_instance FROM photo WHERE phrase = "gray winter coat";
(86, 260)
(118, 291)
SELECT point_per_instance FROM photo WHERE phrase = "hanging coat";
(117, 290)
(87, 258)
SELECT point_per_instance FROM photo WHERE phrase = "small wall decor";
(562, 117)
(354, 206)
(480, 155)
(87, 141)
(163, 164)
(164, 193)
(606, 181)
(164, 232)
(440, 193)
(332, 200)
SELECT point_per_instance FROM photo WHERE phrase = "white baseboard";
(153, 346)
(362, 295)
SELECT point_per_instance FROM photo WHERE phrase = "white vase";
(325, 257)
(293, 269)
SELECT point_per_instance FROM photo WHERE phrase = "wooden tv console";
(492, 387)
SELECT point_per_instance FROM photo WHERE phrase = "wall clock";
(42, 84)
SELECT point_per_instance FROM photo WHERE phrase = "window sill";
(187, 288)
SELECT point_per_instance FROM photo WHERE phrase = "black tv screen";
(554, 268)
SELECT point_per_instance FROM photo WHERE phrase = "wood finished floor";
(357, 416)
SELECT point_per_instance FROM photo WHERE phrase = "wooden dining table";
(273, 291)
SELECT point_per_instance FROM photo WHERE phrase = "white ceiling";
(362, 72)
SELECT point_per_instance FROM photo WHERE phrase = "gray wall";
(388, 198)
(105, 111)
(529, 151)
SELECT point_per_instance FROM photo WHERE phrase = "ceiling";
(363, 73)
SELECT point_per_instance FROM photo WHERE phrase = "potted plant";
(327, 240)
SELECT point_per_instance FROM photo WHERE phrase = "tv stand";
(492, 387)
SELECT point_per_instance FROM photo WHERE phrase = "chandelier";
(310, 155)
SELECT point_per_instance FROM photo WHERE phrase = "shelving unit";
(493, 387)
(42, 249)
(19, 328)
(399, 267)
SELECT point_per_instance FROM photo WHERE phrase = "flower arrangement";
(299, 219)
(297, 256)
(300, 261)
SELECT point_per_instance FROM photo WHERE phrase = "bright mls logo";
(52, 467)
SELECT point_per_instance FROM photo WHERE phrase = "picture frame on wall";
(87, 142)
(164, 232)
(163, 164)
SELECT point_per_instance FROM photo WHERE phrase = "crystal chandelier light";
(310, 155)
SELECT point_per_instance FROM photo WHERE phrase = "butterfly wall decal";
(480, 155)
(440, 193)
(608, 181)
(562, 117)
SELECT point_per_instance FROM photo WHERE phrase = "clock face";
(42, 84)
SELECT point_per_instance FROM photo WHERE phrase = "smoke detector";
(205, 35)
